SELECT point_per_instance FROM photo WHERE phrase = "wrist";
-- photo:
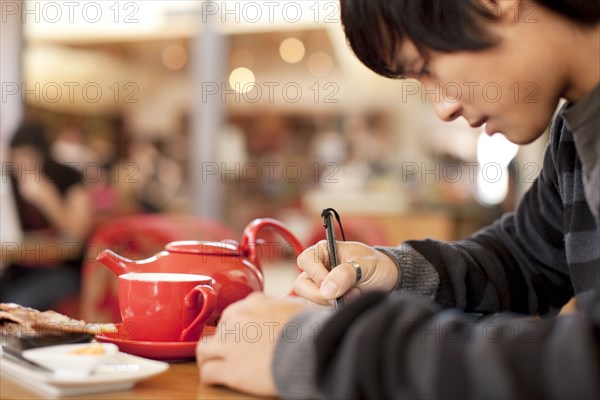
(417, 274)
(393, 272)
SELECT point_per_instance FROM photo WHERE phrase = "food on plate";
(94, 349)
(75, 360)
(34, 320)
(23, 328)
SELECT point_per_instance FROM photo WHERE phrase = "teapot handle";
(250, 237)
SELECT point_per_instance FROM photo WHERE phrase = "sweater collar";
(583, 119)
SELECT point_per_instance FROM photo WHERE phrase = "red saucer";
(154, 350)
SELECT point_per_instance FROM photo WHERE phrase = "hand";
(319, 285)
(240, 353)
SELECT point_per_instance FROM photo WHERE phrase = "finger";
(306, 288)
(236, 307)
(315, 253)
(226, 315)
(208, 348)
(311, 261)
(339, 281)
(214, 372)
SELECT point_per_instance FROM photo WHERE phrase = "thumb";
(338, 281)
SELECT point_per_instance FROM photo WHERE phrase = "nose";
(448, 109)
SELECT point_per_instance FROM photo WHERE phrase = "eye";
(424, 70)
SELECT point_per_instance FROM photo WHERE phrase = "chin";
(520, 140)
(523, 138)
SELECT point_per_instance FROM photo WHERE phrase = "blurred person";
(370, 145)
(329, 146)
(101, 179)
(69, 148)
(469, 319)
(52, 200)
(156, 177)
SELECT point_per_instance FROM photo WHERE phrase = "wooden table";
(180, 381)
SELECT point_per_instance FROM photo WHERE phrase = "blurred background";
(226, 111)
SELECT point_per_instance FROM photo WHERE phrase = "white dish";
(120, 372)
(71, 360)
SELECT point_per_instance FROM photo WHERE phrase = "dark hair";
(373, 28)
(584, 11)
(32, 135)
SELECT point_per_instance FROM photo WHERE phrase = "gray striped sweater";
(520, 271)
(534, 260)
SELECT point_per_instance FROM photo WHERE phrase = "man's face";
(513, 87)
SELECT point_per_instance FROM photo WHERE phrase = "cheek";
(521, 109)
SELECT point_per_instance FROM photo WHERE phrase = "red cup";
(165, 307)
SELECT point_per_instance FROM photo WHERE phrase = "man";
(530, 262)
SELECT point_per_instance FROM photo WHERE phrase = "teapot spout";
(116, 263)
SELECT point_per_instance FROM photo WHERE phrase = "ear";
(506, 11)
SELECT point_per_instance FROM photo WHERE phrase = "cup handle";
(209, 300)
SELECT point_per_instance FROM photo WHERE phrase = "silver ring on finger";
(357, 270)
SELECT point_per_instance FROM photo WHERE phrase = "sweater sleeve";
(517, 264)
(395, 346)
(398, 346)
(297, 379)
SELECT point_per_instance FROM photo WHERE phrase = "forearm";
(53, 209)
(71, 215)
(496, 270)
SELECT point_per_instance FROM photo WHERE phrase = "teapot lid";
(196, 247)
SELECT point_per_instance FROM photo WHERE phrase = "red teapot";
(234, 268)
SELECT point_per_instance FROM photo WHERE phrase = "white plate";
(68, 360)
(119, 373)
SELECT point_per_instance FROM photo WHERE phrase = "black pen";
(331, 247)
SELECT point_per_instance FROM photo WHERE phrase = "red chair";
(135, 237)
